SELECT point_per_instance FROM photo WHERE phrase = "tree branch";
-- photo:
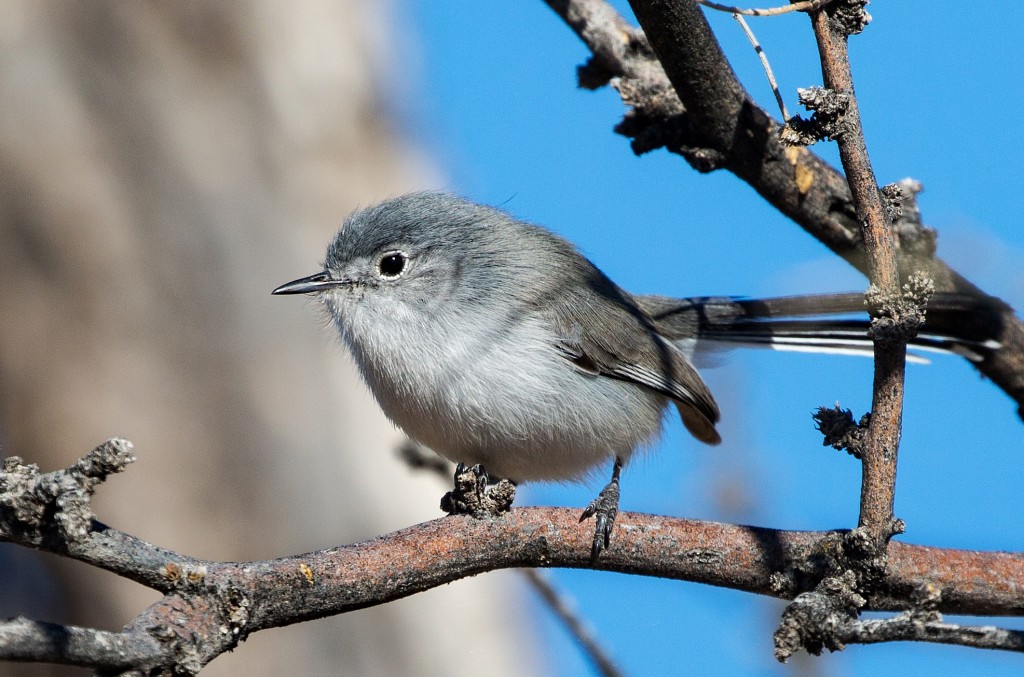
(881, 451)
(907, 627)
(208, 607)
(51, 511)
(771, 11)
(720, 126)
(31, 641)
(817, 620)
(210, 610)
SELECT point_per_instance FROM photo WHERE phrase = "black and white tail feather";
(823, 324)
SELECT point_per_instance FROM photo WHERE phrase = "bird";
(497, 344)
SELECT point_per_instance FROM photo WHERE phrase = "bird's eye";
(392, 264)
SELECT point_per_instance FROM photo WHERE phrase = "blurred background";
(164, 166)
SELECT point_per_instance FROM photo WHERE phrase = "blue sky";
(488, 91)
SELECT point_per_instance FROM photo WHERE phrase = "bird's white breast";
(505, 399)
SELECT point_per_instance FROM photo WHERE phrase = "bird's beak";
(308, 285)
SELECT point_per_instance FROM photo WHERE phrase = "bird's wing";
(607, 334)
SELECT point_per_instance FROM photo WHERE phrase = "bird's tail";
(828, 323)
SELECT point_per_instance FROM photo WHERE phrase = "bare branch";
(51, 512)
(907, 627)
(764, 63)
(209, 607)
(805, 6)
(581, 631)
(822, 620)
(24, 640)
(730, 131)
(879, 460)
(209, 613)
(54, 507)
(740, 557)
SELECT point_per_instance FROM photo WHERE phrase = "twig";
(878, 485)
(906, 628)
(556, 600)
(805, 6)
(52, 512)
(815, 621)
(22, 639)
(764, 62)
(581, 631)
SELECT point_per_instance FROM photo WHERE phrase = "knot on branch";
(849, 566)
(925, 600)
(657, 119)
(472, 496)
(840, 431)
(828, 119)
(180, 656)
(619, 60)
(53, 508)
(185, 575)
(593, 74)
(902, 211)
(836, 555)
(817, 620)
(898, 317)
(892, 201)
(848, 17)
(839, 573)
(195, 627)
(865, 556)
(237, 609)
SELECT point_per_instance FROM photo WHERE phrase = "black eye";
(392, 264)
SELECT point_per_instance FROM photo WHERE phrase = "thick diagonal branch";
(722, 127)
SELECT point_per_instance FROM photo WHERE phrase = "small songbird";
(495, 342)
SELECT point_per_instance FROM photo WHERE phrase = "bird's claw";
(604, 508)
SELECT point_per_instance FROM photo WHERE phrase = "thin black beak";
(308, 285)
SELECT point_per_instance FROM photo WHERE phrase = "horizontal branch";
(210, 608)
(908, 628)
(765, 561)
(22, 639)
(740, 557)
(824, 620)
(805, 6)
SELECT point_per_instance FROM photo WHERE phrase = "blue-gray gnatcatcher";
(494, 342)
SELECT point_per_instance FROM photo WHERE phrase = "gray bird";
(494, 342)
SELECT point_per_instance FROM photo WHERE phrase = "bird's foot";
(472, 496)
(605, 508)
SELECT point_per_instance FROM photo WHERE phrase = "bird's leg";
(471, 496)
(605, 507)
